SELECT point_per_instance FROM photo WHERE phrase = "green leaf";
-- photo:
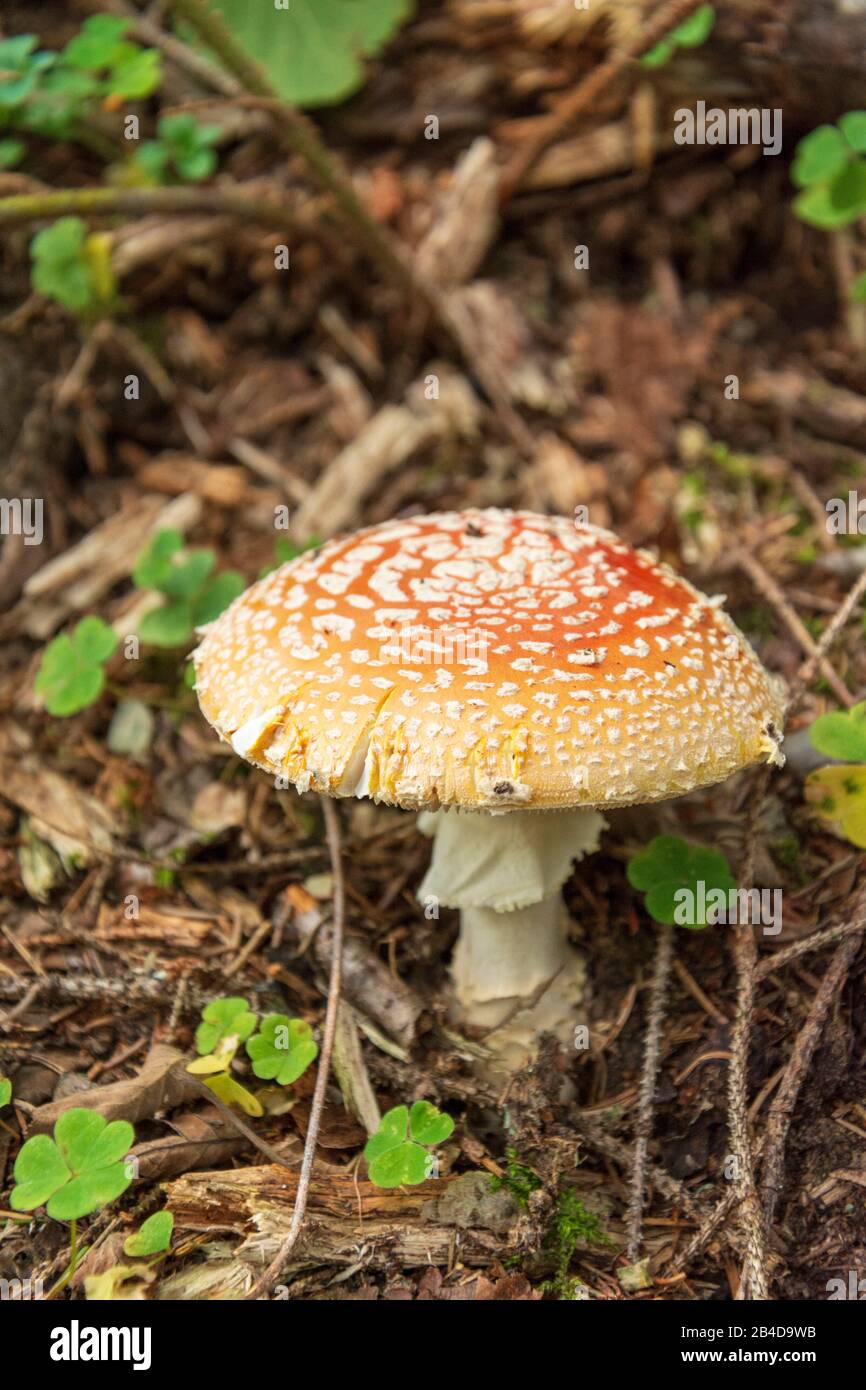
(39, 1172)
(313, 51)
(154, 563)
(20, 69)
(11, 153)
(76, 1172)
(427, 1125)
(848, 189)
(820, 156)
(815, 206)
(186, 576)
(395, 1155)
(60, 266)
(659, 55)
(168, 626)
(282, 1049)
(224, 1018)
(696, 29)
(216, 596)
(152, 1237)
(96, 43)
(853, 127)
(838, 795)
(668, 866)
(842, 734)
(136, 74)
(5, 1091)
(71, 674)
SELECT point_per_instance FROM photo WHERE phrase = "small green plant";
(399, 1151)
(74, 267)
(152, 1238)
(225, 1023)
(72, 671)
(313, 50)
(830, 171)
(282, 1049)
(77, 1172)
(184, 578)
(183, 149)
(838, 794)
(690, 34)
(58, 94)
(572, 1226)
(670, 872)
(518, 1179)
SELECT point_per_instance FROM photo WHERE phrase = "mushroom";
(510, 676)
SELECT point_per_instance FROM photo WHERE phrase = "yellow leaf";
(121, 1283)
(231, 1092)
(206, 1066)
(838, 795)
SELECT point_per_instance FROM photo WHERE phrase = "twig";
(782, 1108)
(828, 637)
(31, 207)
(267, 1280)
(769, 589)
(646, 1098)
(815, 942)
(753, 1283)
(273, 1155)
(587, 93)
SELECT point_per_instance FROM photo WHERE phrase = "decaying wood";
(350, 1223)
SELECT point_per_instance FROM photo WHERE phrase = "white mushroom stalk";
(504, 872)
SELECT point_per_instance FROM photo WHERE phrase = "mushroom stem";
(503, 959)
(505, 872)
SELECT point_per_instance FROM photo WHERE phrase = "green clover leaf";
(282, 1049)
(184, 143)
(820, 156)
(76, 1172)
(152, 1237)
(223, 1019)
(842, 734)
(216, 596)
(96, 43)
(60, 267)
(668, 868)
(853, 127)
(167, 626)
(71, 674)
(154, 564)
(395, 1154)
(5, 1091)
(20, 69)
(313, 51)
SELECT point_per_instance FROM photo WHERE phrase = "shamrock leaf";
(71, 674)
(60, 266)
(842, 734)
(96, 43)
(313, 50)
(151, 1238)
(20, 69)
(184, 144)
(282, 1049)
(395, 1154)
(167, 626)
(153, 566)
(223, 1019)
(853, 127)
(76, 1172)
(820, 156)
(216, 596)
(838, 795)
(668, 868)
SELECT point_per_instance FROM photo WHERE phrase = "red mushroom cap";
(489, 660)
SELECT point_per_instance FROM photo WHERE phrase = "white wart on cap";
(488, 660)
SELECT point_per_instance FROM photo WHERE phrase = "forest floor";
(697, 389)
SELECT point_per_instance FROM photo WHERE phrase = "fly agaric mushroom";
(509, 675)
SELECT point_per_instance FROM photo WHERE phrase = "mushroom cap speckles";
(486, 659)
